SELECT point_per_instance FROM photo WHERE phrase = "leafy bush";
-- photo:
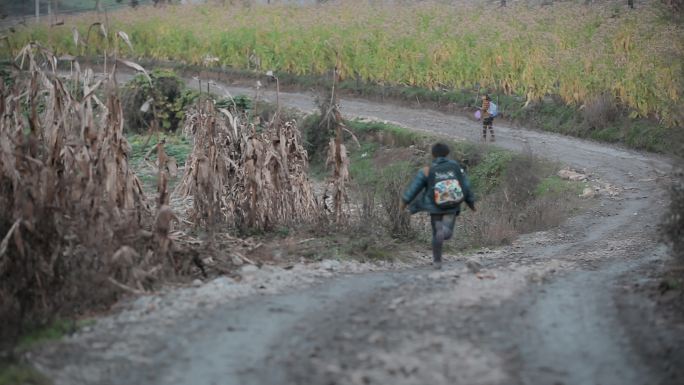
(240, 103)
(486, 175)
(319, 128)
(161, 101)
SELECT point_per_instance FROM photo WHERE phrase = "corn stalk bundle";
(68, 198)
(208, 166)
(336, 196)
(242, 177)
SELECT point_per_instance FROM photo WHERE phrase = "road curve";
(545, 310)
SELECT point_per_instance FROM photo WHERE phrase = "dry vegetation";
(242, 177)
(79, 229)
(76, 219)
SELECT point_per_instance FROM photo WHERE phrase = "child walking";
(487, 118)
(440, 189)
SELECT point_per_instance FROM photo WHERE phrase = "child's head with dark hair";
(440, 150)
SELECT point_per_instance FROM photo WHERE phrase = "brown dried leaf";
(136, 67)
(124, 36)
(5, 240)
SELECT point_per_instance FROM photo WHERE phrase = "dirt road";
(552, 308)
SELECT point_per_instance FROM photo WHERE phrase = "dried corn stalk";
(335, 199)
(242, 177)
(335, 196)
(68, 197)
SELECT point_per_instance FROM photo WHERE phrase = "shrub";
(521, 178)
(240, 103)
(319, 128)
(673, 226)
(488, 172)
(600, 112)
(391, 184)
(159, 103)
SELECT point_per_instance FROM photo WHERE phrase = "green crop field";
(575, 51)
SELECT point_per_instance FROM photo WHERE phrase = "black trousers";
(442, 230)
(487, 123)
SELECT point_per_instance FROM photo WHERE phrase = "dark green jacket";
(425, 202)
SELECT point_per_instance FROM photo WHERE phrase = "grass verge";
(517, 193)
(21, 374)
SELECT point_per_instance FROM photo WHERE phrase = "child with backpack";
(442, 187)
(489, 111)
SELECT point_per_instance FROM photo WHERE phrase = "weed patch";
(556, 187)
(142, 146)
(15, 373)
(56, 329)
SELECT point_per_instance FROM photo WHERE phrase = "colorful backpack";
(445, 186)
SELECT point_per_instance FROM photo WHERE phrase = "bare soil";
(572, 305)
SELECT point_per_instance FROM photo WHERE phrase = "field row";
(575, 51)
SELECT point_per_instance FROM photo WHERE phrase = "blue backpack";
(493, 109)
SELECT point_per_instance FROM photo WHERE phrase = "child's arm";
(468, 192)
(417, 185)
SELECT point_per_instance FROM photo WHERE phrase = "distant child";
(442, 187)
(488, 117)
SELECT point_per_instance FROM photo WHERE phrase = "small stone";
(237, 261)
(333, 369)
(473, 265)
(329, 265)
(395, 302)
(197, 283)
(248, 270)
(588, 192)
(98, 345)
(375, 338)
(571, 175)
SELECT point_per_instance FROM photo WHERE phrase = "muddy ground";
(573, 305)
